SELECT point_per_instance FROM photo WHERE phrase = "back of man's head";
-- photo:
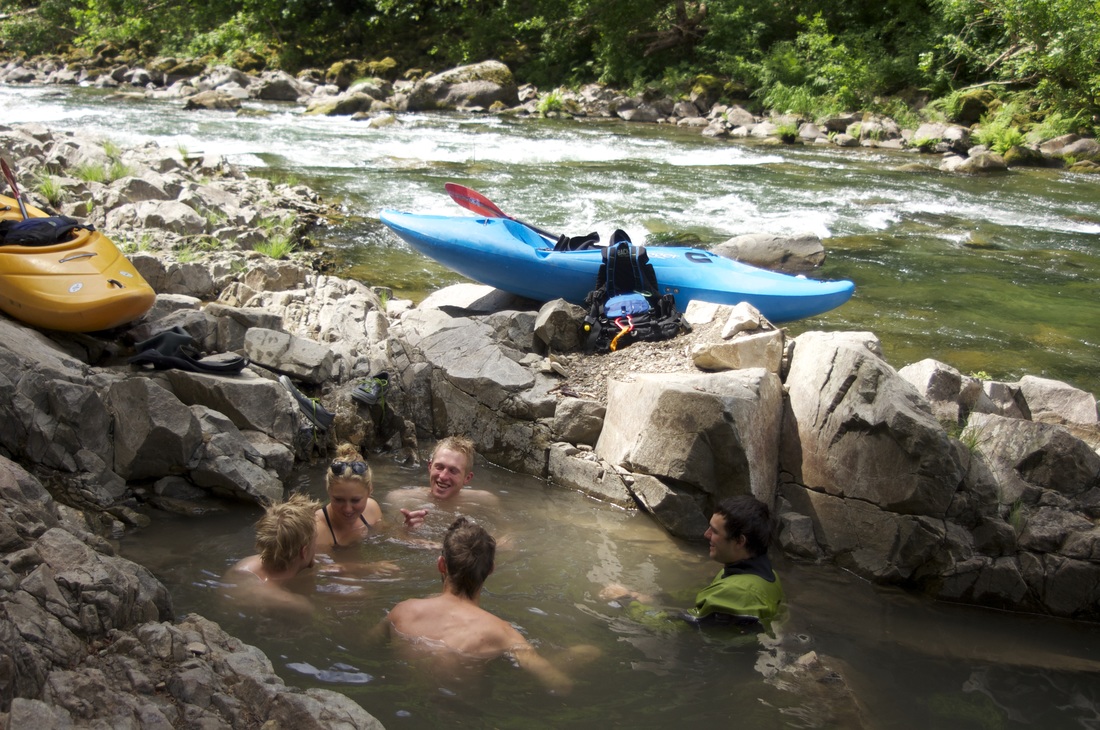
(468, 553)
(746, 515)
(284, 530)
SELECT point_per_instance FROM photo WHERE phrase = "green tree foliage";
(796, 54)
(1052, 46)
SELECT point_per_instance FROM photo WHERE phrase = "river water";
(988, 274)
(991, 274)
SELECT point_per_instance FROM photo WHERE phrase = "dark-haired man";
(746, 589)
(739, 535)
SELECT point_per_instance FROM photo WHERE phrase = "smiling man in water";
(450, 471)
(746, 589)
(739, 535)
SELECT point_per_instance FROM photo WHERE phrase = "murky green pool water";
(906, 662)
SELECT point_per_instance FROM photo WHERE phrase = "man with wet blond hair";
(286, 536)
(450, 470)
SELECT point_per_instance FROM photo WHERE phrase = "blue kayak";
(508, 255)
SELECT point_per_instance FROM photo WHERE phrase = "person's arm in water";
(528, 659)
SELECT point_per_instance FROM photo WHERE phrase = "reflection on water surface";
(905, 662)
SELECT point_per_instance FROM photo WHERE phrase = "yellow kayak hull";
(82, 285)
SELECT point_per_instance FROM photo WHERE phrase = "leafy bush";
(1001, 130)
(787, 132)
(551, 102)
(1057, 124)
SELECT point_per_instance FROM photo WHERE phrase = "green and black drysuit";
(741, 590)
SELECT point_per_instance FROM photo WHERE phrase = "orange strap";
(622, 330)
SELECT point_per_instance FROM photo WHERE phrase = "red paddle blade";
(475, 201)
(9, 177)
(14, 188)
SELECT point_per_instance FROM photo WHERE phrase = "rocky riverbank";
(374, 90)
(981, 492)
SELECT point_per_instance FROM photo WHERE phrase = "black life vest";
(626, 305)
(39, 231)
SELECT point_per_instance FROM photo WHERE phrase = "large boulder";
(794, 253)
(299, 357)
(856, 429)
(229, 465)
(277, 86)
(479, 85)
(249, 401)
(155, 434)
(463, 376)
(1057, 402)
(1028, 458)
(871, 542)
(716, 433)
(952, 395)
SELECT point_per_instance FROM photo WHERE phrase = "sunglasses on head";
(355, 467)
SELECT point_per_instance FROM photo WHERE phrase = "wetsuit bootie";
(311, 407)
(371, 391)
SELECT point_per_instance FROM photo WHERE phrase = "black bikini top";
(335, 544)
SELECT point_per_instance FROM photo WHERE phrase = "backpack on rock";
(627, 305)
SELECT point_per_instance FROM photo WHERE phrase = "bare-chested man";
(453, 623)
(450, 470)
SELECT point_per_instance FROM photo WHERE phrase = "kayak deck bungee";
(84, 284)
(509, 255)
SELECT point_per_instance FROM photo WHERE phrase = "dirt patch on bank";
(587, 375)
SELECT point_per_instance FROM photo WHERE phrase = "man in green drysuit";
(746, 589)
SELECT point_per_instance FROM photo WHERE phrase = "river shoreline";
(347, 89)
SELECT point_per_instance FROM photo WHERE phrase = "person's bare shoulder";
(505, 637)
(479, 496)
(404, 496)
(244, 570)
(404, 616)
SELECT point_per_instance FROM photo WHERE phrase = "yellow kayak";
(84, 284)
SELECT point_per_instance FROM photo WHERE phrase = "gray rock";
(1045, 530)
(459, 299)
(677, 510)
(558, 326)
(213, 100)
(478, 85)
(1057, 402)
(1026, 456)
(583, 471)
(578, 421)
(795, 254)
(951, 394)
(301, 358)
(248, 400)
(857, 429)
(277, 86)
(717, 433)
(229, 465)
(747, 350)
(156, 435)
